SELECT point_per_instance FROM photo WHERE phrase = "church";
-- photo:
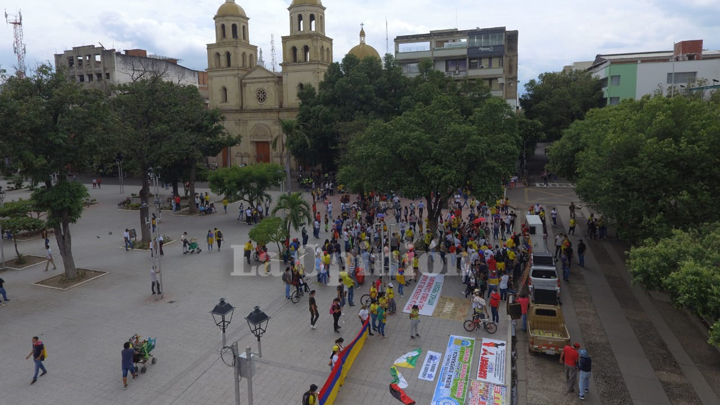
(252, 98)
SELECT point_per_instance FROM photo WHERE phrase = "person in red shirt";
(571, 357)
(524, 302)
(494, 305)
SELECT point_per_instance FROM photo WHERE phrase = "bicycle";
(296, 295)
(475, 323)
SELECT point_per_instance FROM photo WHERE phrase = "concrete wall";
(628, 78)
(653, 76)
(127, 67)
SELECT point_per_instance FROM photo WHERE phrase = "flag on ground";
(398, 378)
(408, 360)
(400, 395)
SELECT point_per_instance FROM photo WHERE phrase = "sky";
(552, 33)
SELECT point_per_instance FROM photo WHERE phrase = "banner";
(452, 385)
(482, 393)
(346, 358)
(455, 309)
(426, 294)
(492, 361)
(408, 360)
(430, 366)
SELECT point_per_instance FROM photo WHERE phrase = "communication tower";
(18, 45)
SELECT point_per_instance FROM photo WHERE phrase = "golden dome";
(364, 50)
(229, 8)
(306, 2)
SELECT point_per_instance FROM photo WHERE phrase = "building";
(252, 98)
(487, 54)
(634, 75)
(95, 65)
(363, 50)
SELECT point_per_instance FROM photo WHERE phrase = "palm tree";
(296, 210)
(290, 129)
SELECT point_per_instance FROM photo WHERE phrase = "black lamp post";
(258, 321)
(222, 314)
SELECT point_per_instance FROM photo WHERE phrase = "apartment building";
(487, 54)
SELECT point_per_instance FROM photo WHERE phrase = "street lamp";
(222, 310)
(222, 315)
(257, 321)
(2, 238)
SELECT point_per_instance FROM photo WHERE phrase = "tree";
(557, 99)
(247, 183)
(433, 150)
(687, 266)
(531, 132)
(270, 229)
(649, 165)
(297, 211)
(290, 133)
(18, 218)
(52, 125)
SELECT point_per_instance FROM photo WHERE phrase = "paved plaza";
(84, 328)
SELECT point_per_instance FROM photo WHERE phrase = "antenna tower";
(387, 38)
(273, 61)
(18, 45)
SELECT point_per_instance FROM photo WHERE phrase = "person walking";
(504, 286)
(311, 397)
(382, 320)
(154, 280)
(392, 307)
(225, 205)
(3, 293)
(569, 356)
(126, 238)
(414, 321)
(184, 241)
(218, 238)
(494, 305)
(363, 315)
(314, 314)
(336, 311)
(581, 252)
(49, 257)
(287, 279)
(350, 285)
(585, 368)
(524, 303)
(126, 355)
(210, 240)
(38, 354)
(248, 250)
(304, 236)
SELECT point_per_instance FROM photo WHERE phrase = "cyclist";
(479, 306)
(297, 281)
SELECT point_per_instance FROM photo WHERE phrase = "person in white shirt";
(154, 279)
(504, 286)
(184, 242)
(553, 215)
(50, 259)
(479, 306)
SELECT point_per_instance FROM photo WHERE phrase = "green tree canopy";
(247, 183)
(296, 210)
(433, 150)
(52, 125)
(687, 266)
(649, 165)
(16, 217)
(557, 99)
(269, 230)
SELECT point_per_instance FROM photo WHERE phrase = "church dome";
(230, 8)
(364, 50)
(306, 2)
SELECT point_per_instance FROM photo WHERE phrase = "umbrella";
(479, 220)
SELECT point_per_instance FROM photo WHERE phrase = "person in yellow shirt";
(414, 321)
(391, 299)
(248, 250)
(373, 314)
(401, 282)
(382, 301)
(416, 267)
(225, 204)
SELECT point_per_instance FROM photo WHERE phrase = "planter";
(30, 261)
(59, 283)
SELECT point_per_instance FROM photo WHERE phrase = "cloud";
(552, 33)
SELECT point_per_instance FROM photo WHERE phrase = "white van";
(535, 229)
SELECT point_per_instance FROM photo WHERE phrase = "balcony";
(458, 74)
(413, 55)
(450, 51)
(486, 72)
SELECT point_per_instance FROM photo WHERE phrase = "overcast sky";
(552, 33)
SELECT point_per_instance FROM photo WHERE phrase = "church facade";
(252, 98)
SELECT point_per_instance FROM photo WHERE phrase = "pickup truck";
(547, 332)
(543, 273)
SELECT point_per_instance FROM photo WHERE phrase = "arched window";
(217, 60)
(222, 30)
(294, 54)
(312, 22)
(328, 58)
(306, 53)
(244, 33)
(223, 94)
(252, 60)
(300, 22)
(244, 60)
(228, 61)
(234, 31)
(322, 53)
(301, 87)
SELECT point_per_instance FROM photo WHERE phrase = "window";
(90, 77)
(473, 63)
(222, 30)
(306, 53)
(300, 22)
(98, 76)
(107, 76)
(79, 61)
(485, 40)
(234, 31)
(455, 65)
(97, 59)
(411, 68)
(681, 77)
(244, 33)
(489, 62)
(217, 60)
(223, 94)
(322, 53)
(244, 60)
(604, 82)
(252, 60)
(615, 80)
(328, 58)
(261, 96)
(81, 78)
(614, 100)
(312, 22)
(294, 53)
(228, 60)
(71, 61)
